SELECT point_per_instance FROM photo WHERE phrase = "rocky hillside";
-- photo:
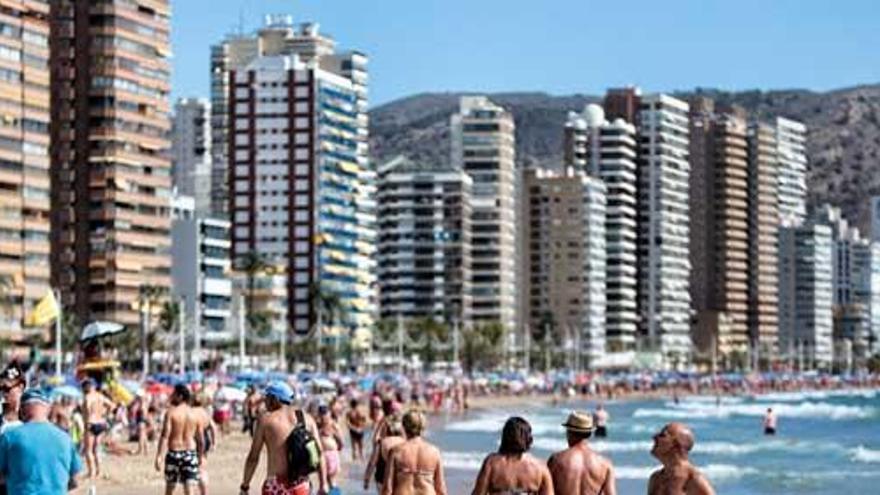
(844, 126)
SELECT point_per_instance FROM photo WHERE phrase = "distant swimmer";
(770, 422)
(578, 470)
(672, 446)
(600, 417)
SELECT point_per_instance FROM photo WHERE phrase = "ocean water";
(828, 442)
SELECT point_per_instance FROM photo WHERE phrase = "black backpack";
(303, 456)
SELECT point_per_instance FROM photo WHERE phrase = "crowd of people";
(49, 443)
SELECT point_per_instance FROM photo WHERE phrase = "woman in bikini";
(512, 470)
(415, 466)
(331, 443)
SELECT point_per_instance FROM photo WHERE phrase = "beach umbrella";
(97, 329)
(66, 391)
(230, 394)
(159, 389)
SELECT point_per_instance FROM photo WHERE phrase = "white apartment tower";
(806, 294)
(483, 146)
(424, 243)
(191, 151)
(302, 191)
(791, 137)
(664, 266)
(607, 150)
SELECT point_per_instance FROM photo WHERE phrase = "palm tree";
(7, 286)
(148, 296)
(252, 264)
(329, 308)
(430, 333)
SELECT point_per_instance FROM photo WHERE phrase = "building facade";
(663, 242)
(564, 248)
(719, 228)
(424, 243)
(791, 137)
(200, 271)
(763, 275)
(111, 183)
(483, 146)
(302, 189)
(806, 295)
(24, 159)
(191, 152)
(607, 150)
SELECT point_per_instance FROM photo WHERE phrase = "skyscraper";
(302, 190)
(483, 146)
(424, 243)
(24, 158)
(191, 152)
(564, 248)
(763, 240)
(791, 139)
(664, 268)
(607, 150)
(111, 184)
(719, 228)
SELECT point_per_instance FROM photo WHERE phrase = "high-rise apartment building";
(564, 248)
(483, 146)
(201, 269)
(806, 294)
(191, 152)
(111, 184)
(424, 243)
(302, 191)
(24, 158)
(791, 137)
(763, 240)
(607, 150)
(664, 268)
(719, 227)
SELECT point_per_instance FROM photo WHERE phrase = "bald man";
(677, 476)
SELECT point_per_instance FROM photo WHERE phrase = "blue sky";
(563, 46)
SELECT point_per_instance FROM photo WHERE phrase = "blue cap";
(34, 395)
(279, 390)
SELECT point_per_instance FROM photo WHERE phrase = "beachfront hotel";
(607, 150)
(483, 146)
(719, 228)
(200, 269)
(111, 175)
(806, 295)
(564, 248)
(424, 243)
(302, 192)
(763, 241)
(791, 137)
(191, 152)
(24, 163)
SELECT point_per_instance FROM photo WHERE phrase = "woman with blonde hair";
(415, 467)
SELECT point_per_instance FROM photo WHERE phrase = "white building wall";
(593, 332)
(791, 139)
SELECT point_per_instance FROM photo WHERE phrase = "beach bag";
(303, 456)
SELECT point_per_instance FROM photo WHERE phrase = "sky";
(562, 46)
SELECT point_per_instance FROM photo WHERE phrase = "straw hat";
(579, 421)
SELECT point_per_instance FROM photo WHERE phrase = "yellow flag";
(44, 312)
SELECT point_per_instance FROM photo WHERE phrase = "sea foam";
(685, 410)
(864, 454)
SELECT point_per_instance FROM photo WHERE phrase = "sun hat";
(579, 421)
(279, 390)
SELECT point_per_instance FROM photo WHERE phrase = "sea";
(827, 441)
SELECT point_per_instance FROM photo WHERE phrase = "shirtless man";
(251, 409)
(677, 476)
(96, 407)
(272, 430)
(357, 425)
(183, 434)
(578, 470)
(209, 439)
(601, 420)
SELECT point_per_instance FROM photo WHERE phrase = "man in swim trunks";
(182, 432)
(357, 425)
(272, 430)
(770, 422)
(209, 438)
(600, 417)
(671, 447)
(96, 407)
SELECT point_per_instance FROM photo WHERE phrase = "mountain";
(843, 145)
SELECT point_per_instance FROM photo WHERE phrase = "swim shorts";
(182, 466)
(274, 486)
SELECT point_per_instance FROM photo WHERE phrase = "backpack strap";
(300, 419)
